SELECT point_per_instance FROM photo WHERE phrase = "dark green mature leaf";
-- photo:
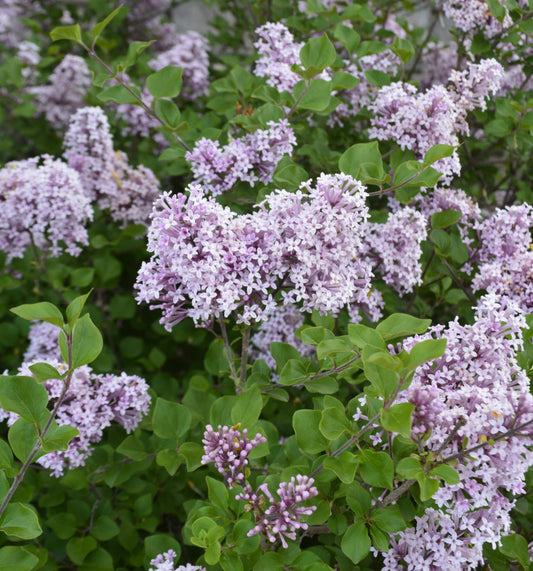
(515, 546)
(376, 468)
(316, 97)
(344, 466)
(401, 325)
(20, 520)
(426, 351)
(248, 407)
(170, 419)
(22, 437)
(79, 547)
(398, 418)
(58, 437)
(356, 543)
(43, 311)
(308, 435)
(168, 112)
(166, 82)
(119, 94)
(23, 395)
(361, 161)
(348, 37)
(445, 218)
(87, 342)
(438, 152)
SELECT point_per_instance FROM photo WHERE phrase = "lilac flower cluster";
(278, 52)
(418, 121)
(279, 327)
(91, 403)
(106, 175)
(189, 53)
(394, 248)
(371, 307)
(505, 255)
(64, 93)
(165, 562)
(43, 343)
(474, 15)
(281, 519)
(251, 158)
(208, 262)
(44, 206)
(229, 449)
(473, 393)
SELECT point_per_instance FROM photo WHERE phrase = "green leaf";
(371, 47)
(86, 342)
(356, 160)
(290, 176)
(99, 28)
(377, 77)
(166, 82)
(133, 448)
(212, 553)
(105, 528)
(409, 468)
(428, 487)
(318, 53)
(515, 546)
(119, 94)
(23, 395)
(426, 351)
(356, 543)
(58, 437)
(170, 419)
(217, 493)
(43, 311)
(401, 325)
(75, 308)
(348, 37)
(160, 543)
(334, 422)
(294, 371)
(17, 558)
(376, 468)
(438, 152)
(344, 466)
(398, 418)
(361, 335)
(389, 520)
(22, 437)
(63, 524)
(317, 95)
(282, 352)
(308, 435)
(135, 49)
(404, 49)
(169, 459)
(81, 277)
(445, 218)
(168, 112)
(248, 407)
(20, 520)
(447, 473)
(6, 456)
(44, 371)
(383, 380)
(66, 33)
(79, 547)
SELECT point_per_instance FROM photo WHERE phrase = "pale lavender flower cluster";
(418, 121)
(438, 61)
(189, 53)
(474, 15)
(43, 343)
(475, 392)
(208, 262)
(279, 326)
(394, 248)
(505, 255)
(251, 158)
(229, 449)
(44, 206)
(165, 562)
(28, 55)
(64, 93)
(91, 403)
(371, 307)
(283, 517)
(278, 52)
(12, 30)
(107, 177)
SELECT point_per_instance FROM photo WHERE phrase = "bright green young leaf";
(217, 493)
(344, 466)
(119, 94)
(335, 346)
(44, 371)
(169, 459)
(428, 486)
(318, 52)
(356, 543)
(75, 308)
(361, 335)
(308, 435)
(314, 335)
(352, 160)
(447, 473)
(316, 97)
(401, 325)
(58, 437)
(398, 418)
(377, 77)
(376, 468)
(87, 341)
(6, 456)
(409, 468)
(66, 33)
(17, 558)
(438, 152)
(22, 437)
(384, 380)
(43, 311)
(282, 352)
(247, 407)
(170, 419)
(403, 48)
(426, 351)
(347, 36)
(333, 423)
(23, 395)
(294, 371)
(515, 547)
(135, 49)
(100, 27)
(371, 47)
(342, 80)
(166, 82)
(168, 112)
(21, 521)
(445, 218)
